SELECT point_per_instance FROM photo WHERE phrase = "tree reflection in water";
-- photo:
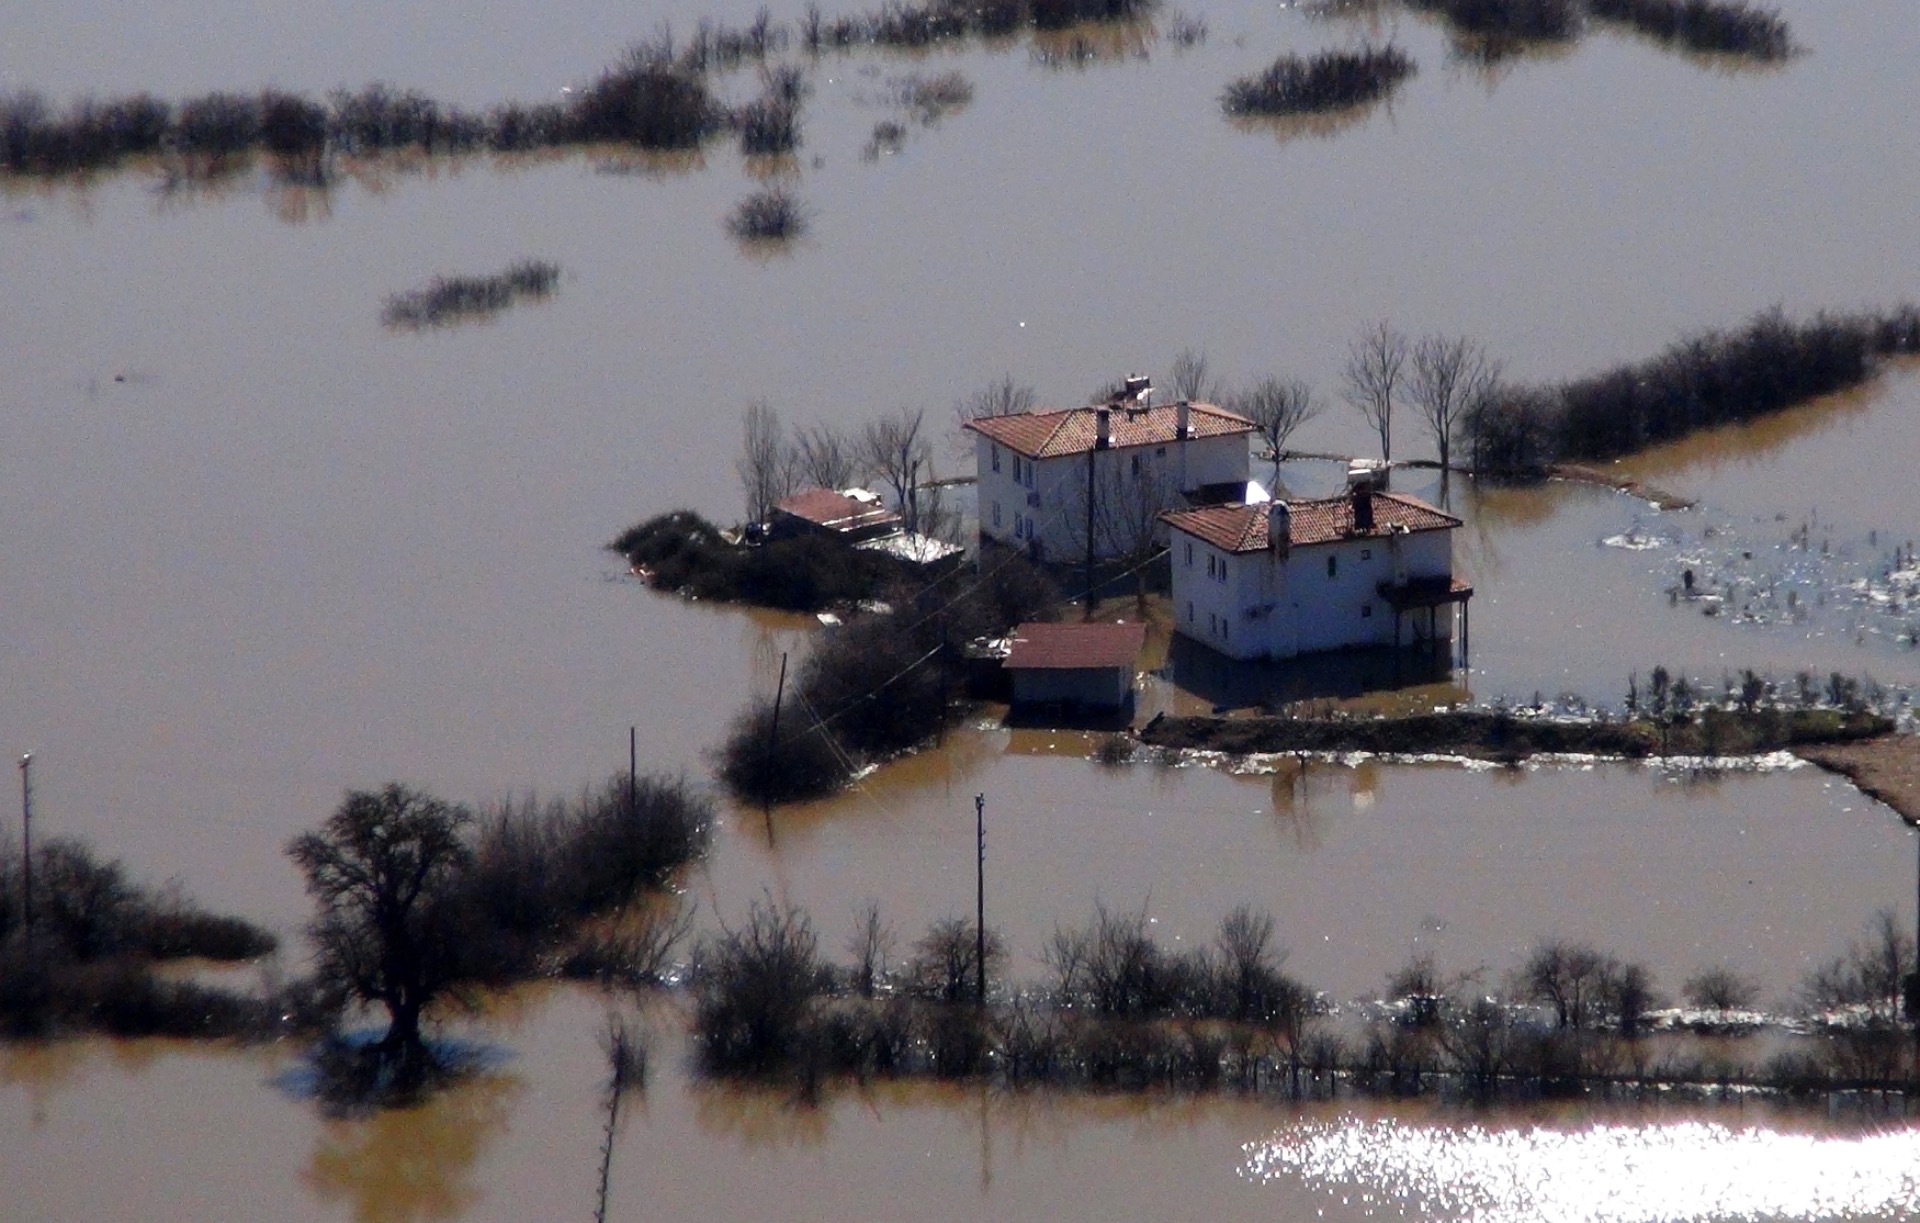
(401, 1165)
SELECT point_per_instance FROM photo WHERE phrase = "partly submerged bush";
(1331, 80)
(1507, 21)
(452, 299)
(1728, 27)
(772, 214)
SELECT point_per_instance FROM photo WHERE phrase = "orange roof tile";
(1060, 431)
(1324, 520)
(1076, 647)
(836, 511)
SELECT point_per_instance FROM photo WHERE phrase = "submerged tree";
(1371, 375)
(385, 870)
(1276, 409)
(1452, 378)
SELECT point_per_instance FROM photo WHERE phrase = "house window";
(1366, 554)
(1333, 566)
(1226, 628)
(1189, 611)
(996, 515)
(1213, 625)
(1366, 611)
(1223, 571)
(1029, 473)
(1161, 453)
(1019, 526)
(1189, 555)
(1209, 564)
(1136, 464)
(996, 458)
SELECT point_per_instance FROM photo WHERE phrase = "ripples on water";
(1606, 1174)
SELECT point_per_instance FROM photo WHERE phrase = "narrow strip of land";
(1885, 768)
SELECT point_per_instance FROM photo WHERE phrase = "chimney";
(1363, 508)
(1279, 528)
(1102, 428)
(1184, 415)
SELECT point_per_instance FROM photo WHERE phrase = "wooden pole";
(980, 896)
(26, 838)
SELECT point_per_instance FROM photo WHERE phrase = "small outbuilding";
(852, 515)
(1086, 666)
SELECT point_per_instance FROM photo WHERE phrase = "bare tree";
(1188, 379)
(871, 946)
(1276, 409)
(1453, 378)
(1001, 397)
(894, 449)
(385, 869)
(767, 466)
(1372, 372)
(1125, 519)
(824, 457)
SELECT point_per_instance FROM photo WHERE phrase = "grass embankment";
(1506, 737)
(1700, 382)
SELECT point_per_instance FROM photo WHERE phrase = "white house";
(1045, 476)
(1293, 577)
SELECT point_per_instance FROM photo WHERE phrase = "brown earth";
(1886, 768)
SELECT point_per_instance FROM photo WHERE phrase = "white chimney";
(1184, 416)
(1279, 527)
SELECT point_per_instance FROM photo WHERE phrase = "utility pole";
(26, 838)
(980, 895)
(1091, 454)
(773, 743)
(633, 771)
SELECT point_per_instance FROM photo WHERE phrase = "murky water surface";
(259, 550)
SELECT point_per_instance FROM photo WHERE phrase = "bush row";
(1704, 380)
(1119, 1011)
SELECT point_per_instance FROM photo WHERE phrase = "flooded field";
(260, 549)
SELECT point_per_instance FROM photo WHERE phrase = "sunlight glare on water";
(1691, 1171)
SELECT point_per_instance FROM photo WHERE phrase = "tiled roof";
(836, 511)
(1058, 431)
(1325, 520)
(1076, 647)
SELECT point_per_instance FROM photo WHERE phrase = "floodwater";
(259, 550)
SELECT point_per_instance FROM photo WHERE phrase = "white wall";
(1270, 608)
(1058, 522)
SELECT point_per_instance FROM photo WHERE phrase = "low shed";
(1090, 666)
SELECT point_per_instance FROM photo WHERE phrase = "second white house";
(1048, 479)
(1293, 577)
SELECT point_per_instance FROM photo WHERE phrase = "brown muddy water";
(259, 550)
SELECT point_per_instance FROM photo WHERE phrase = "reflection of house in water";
(1368, 568)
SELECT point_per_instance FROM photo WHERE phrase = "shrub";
(453, 299)
(773, 214)
(753, 991)
(1331, 80)
(803, 763)
(1504, 21)
(1721, 989)
(1728, 27)
(647, 99)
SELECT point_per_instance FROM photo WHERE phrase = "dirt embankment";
(1886, 768)
(1507, 737)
